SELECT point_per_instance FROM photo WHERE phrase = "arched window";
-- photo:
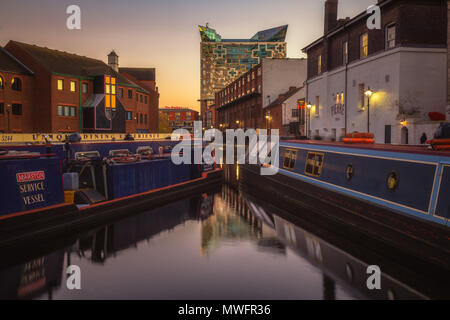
(16, 84)
(2, 83)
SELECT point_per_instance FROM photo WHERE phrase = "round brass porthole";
(349, 172)
(392, 181)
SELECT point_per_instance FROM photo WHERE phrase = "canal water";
(217, 246)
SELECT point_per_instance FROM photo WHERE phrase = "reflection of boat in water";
(33, 278)
(131, 231)
(338, 266)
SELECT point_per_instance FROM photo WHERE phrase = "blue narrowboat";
(402, 187)
(59, 183)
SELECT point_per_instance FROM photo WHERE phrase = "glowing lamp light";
(403, 123)
(368, 92)
(309, 105)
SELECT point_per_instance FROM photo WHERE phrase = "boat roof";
(415, 149)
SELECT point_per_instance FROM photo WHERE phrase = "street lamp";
(368, 93)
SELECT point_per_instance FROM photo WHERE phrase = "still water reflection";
(221, 246)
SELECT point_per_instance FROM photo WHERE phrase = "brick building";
(16, 94)
(243, 103)
(404, 64)
(64, 92)
(180, 118)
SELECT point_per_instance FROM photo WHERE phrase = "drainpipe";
(308, 121)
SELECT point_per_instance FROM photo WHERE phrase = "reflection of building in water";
(126, 233)
(32, 278)
(233, 221)
(339, 266)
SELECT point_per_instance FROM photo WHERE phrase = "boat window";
(290, 158)
(314, 164)
(392, 181)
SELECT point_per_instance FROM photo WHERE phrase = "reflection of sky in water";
(225, 256)
(199, 249)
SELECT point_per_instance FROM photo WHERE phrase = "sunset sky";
(162, 34)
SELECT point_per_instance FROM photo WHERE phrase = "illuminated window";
(319, 64)
(16, 84)
(364, 46)
(317, 106)
(73, 86)
(110, 96)
(2, 84)
(342, 98)
(314, 164)
(60, 84)
(390, 36)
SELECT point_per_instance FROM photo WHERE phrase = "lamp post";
(308, 107)
(368, 94)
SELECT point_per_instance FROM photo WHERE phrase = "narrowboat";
(398, 192)
(66, 184)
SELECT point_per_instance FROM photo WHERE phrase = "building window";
(73, 111)
(319, 64)
(60, 111)
(129, 115)
(60, 84)
(17, 109)
(2, 84)
(146, 100)
(130, 94)
(66, 111)
(73, 86)
(85, 87)
(141, 98)
(345, 52)
(361, 96)
(16, 84)
(2, 108)
(364, 45)
(317, 107)
(141, 118)
(137, 118)
(145, 119)
(121, 92)
(110, 96)
(294, 113)
(390, 37)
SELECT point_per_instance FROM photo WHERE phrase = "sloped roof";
(71, 64)
(283, 97)
(141, 74)
(10, 64)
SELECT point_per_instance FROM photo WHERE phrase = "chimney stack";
(113, 61)
(331, 10)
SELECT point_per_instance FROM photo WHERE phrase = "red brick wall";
(41, 102)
